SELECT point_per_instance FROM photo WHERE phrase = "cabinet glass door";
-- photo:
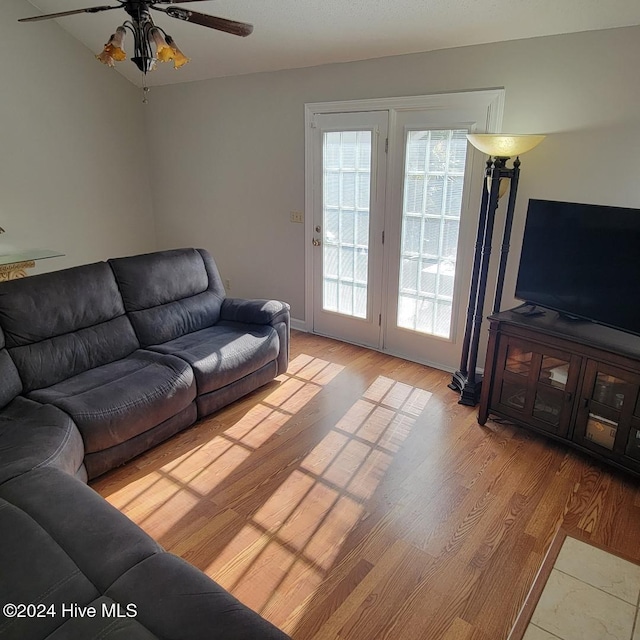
(536, 384)
(609, 418)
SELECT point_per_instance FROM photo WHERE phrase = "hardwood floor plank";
(619, 515)
(326, 605)
(389, 560)
(380, 608)
(354, 499)
(428, 611)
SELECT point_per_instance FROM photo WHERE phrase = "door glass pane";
(433, 181)
(518, 360)
(609, 390)
(554, 371)
(513, 395)
(633, 446)
(548, 405)
(346, 185)
(601, 431)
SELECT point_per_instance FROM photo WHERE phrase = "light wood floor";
(353, 498)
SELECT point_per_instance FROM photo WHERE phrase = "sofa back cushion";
(59, 324)
(168, 294)
(10, 384)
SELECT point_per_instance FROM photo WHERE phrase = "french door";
(392, 225)
(348, 224)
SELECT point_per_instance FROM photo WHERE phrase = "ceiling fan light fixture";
(146, 35)
(164, 52)
(105, 57)
(179, 59)
(114, 49)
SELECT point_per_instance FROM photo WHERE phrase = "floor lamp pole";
(465, 380)
(506, 238)
(482, 221)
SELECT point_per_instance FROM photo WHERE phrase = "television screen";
(582, 260)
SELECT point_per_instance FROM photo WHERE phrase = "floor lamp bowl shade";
(504, 145)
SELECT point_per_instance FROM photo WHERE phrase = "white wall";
(230, 152)
(73, 157)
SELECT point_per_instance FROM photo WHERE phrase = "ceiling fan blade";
(221, 24)
(49, 16)
(176, 1)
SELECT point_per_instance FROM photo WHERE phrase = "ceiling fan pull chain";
(145, 90)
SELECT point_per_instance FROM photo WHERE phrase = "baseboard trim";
(299, 325)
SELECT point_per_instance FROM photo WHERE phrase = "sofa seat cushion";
(117, 401)
(62, 543)
(224, 353)
(36, 570)
(176, 601)
(33, 435)
(100, 540)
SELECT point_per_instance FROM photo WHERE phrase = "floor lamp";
(500, 179)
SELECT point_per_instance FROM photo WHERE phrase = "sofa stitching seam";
(64, 333)
(164, 304)
(158, 552)
(61, 396)
(58, 451)
(106, 630)
(43, 595)
(152, 396)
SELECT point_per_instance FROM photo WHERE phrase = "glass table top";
(28, 255)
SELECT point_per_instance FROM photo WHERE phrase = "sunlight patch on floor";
(307, 519)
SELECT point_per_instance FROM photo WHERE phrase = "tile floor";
(590, 595)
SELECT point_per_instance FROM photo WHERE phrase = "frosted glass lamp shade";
(504, 145)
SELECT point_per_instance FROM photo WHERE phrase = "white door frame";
(492, 100)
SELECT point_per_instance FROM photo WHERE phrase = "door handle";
(316, 242)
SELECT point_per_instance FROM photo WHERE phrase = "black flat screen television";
(584, 261)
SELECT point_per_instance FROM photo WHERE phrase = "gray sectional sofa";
(97, 364)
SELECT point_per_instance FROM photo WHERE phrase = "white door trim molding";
(491, 99)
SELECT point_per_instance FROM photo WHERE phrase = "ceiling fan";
(151, 43)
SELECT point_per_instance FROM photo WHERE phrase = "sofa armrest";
(254, 311)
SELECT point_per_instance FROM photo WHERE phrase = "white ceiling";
(301, 33)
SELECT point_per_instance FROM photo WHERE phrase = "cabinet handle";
(585, 403)
(570, 396)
